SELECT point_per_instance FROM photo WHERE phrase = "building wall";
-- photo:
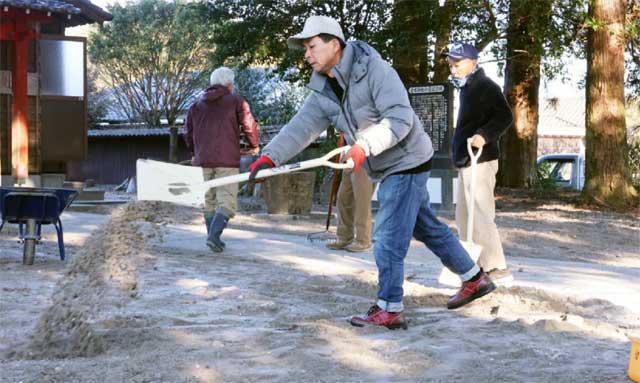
(559, 144)
(111, 160)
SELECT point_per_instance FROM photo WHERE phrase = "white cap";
(314, 26)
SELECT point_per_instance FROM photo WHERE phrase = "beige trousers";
(354, 207)
(222, 199)
(485, 231)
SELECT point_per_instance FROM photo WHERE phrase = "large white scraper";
(162, 181)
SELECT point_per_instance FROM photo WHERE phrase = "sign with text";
(433, 104)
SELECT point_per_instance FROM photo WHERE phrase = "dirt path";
(274, 306)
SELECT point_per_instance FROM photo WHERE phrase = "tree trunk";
(410, 41)
(522, 80)
(444, 20)
(607, 180)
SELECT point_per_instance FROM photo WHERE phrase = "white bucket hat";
(314, 26)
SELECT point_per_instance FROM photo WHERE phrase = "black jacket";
(483, 110)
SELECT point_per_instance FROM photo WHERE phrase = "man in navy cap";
(483, 115)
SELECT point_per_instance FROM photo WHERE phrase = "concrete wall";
(559, 144)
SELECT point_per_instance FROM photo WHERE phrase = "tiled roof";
(266, 132)
(89, 13)
(562, 117)
(42, 5)
(131, 132)
(78, 12)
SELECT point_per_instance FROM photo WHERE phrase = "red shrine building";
(43, 88)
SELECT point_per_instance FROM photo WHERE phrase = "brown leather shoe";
(338, 245)
(471, 290)
(358, 247)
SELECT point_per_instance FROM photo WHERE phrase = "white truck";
(566, 169)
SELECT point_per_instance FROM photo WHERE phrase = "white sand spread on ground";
(144, 300)
(103, 273)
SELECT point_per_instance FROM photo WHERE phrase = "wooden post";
(173, 144)
(19, 112)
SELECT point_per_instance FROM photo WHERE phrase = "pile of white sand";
(103, 273)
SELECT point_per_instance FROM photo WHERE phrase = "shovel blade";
(447, 277)
(163, 181)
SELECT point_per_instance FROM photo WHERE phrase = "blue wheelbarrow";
(31, 208)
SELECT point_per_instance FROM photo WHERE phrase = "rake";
(326, 235)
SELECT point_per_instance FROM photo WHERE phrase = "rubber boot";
(208, 217)
(218, 223)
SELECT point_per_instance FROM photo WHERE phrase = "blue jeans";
(404, 213)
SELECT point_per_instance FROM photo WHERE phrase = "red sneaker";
(378, 317)
(471, 291)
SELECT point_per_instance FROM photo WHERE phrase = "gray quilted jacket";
(374, 113)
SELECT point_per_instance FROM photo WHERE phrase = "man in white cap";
(359, 93)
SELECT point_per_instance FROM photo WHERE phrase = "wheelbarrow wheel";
(29, 251)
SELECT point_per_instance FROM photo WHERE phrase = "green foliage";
(254, 32)
(632, 38)
(554, 29)
(481, 22)
(97, 101)
(273, 100)
(154, 55)
(544, 180)
(594, 24)
(634, 161)
(265, 25)
(564, 36)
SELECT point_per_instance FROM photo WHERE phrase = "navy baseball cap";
(459, 50)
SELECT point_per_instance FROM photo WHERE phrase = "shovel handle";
(284, 169)
(471, 200)
(474, 157)
(326, 159)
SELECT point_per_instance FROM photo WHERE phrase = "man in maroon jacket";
(213, 137)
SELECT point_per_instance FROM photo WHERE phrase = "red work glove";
(357, 155)
(264, 162)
